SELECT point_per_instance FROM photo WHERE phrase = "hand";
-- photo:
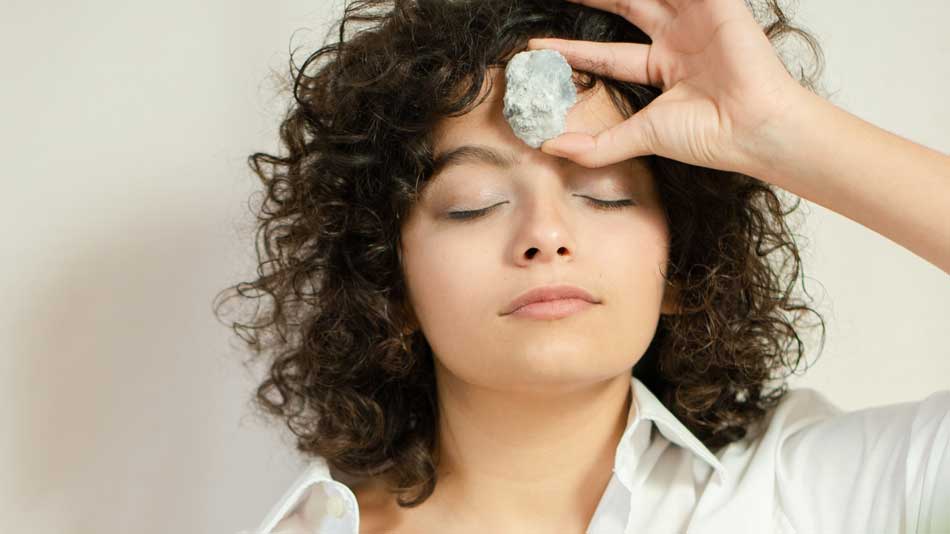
(721, 80)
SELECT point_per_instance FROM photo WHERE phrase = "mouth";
(551, 293)
(552, 309)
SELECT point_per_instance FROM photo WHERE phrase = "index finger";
(631, 138)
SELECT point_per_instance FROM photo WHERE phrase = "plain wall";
(125, 132)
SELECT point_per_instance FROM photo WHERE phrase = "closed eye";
(611, 204)
(597, 203)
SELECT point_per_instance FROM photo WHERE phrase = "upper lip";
(544, 293)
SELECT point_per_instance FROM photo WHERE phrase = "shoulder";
(806, 418)
(292, 524)
(811, 434)
(311, 510)
(802, 407)
(828, 460)
(375, 511)
(312, 497)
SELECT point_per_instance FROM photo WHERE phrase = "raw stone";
(538, 94)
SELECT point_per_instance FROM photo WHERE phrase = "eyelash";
(607, 205)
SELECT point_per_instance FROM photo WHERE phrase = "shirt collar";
(647, 407)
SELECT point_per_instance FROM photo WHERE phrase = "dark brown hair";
(357, 142)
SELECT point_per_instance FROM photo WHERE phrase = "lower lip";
(552, 309)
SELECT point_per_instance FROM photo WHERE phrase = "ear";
(410, 315)
(671, 300)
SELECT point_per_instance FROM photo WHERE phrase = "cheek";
(633, 262)
(446, 281)
(633, 285)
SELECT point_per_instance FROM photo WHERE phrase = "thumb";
(628, 139)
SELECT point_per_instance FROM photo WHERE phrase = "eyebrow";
(461, 155)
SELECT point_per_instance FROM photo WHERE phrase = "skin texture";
(532, 410)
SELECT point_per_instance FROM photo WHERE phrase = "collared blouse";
(815, 469)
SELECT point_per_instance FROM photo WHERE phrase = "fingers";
(629, 139)
(620, 61)
(648, 15)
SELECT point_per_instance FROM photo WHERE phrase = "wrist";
(778, 141)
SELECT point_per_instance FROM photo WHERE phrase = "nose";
(544, 234)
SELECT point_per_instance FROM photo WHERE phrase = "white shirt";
(816, 469)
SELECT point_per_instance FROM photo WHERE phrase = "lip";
(559, 299)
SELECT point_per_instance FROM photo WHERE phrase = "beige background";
(125, 130)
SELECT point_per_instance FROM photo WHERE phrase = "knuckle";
(622, 8)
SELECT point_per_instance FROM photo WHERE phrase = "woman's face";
(462, 274)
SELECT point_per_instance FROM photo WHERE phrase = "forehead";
(485, 126)
(593, 112)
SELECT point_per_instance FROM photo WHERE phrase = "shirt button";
(335, 505)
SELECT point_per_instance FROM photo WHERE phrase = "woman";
(407, 222)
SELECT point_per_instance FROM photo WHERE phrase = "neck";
(527, 460)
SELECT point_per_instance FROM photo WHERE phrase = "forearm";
(898, 188)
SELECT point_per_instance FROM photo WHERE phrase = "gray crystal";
(538, 94)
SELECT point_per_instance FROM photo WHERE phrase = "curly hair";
(346, 374)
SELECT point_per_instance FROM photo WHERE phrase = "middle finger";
(648, 15)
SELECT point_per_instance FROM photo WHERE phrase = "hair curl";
(349, 384)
